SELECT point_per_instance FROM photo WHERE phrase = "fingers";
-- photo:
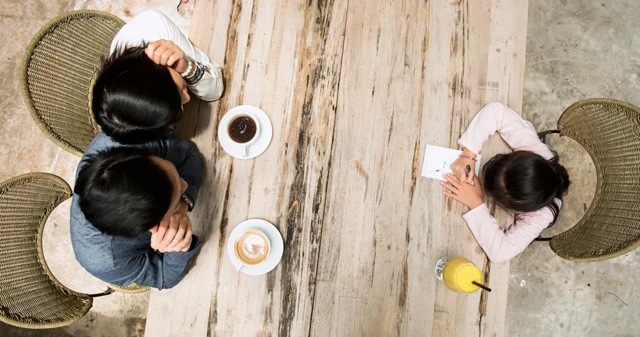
(187, 242)
(184, 243)
(172, 51)
(157, 237)
(470, 178)
(448, 187)
(157, 55)
(189, 231)
(452, 180)
(179, 236)
(476, 182)
(184, 231)
(155, 50)
(176, 56)
(170, 234)
(151, 48)
(172, 59)
(153, 240)
(451, 195)
(458, 172)
(164, 52)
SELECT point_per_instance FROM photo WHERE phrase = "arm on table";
(153, 269)
(517, 132)
(501, 246)
(151, 26)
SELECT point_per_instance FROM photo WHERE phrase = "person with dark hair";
(529, 182)
(129, 220)
(142, 86)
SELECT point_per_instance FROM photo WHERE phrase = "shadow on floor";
(93, 324)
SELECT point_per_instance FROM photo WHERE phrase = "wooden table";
(355, 90)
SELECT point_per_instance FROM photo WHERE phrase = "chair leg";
(543, 135)
(109, 291)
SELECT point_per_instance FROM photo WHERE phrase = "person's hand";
(167, 53)
(467, 194)
(459, 167)
(173, 233)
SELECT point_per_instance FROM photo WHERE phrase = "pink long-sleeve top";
(521, 136)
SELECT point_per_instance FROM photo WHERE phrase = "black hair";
(523, 181)
(134, 99)
(123, 192)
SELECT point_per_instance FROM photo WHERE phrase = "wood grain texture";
(355, 90)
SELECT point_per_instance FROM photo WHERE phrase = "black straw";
(481, 286)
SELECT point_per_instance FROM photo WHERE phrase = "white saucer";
(275, 253)
(261, 144)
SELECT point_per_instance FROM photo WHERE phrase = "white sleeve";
(502, 246)
(517, 132)
(151, 26)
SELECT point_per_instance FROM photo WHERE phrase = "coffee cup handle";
(245, 151)
(239, 266)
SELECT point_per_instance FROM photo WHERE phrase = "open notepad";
(438, 160)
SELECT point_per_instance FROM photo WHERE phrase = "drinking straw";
(481, 286)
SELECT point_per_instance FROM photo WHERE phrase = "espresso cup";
(252, 247)
(243, 130)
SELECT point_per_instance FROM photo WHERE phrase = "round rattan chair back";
(130, 289)
(58, 72)
(30, 296)
(610, 132)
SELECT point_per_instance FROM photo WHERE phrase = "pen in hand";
(468, 173)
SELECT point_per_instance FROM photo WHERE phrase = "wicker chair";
(610, 132)
(30, 296)
(59, 70)
(130, 289)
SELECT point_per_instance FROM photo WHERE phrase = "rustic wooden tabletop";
(355, 90)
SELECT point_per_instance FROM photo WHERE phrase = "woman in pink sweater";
(529, 182)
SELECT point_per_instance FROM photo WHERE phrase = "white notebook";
(438, 160)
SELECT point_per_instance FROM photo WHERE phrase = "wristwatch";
(187, 200)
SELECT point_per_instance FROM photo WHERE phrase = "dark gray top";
(123, 261)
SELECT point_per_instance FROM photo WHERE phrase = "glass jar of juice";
(459, 274)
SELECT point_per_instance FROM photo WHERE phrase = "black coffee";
(242, 129)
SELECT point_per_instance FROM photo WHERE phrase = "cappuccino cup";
(252, 247)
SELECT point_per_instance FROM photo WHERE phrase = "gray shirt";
(120, 260)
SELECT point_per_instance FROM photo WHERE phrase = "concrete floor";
(576, 49)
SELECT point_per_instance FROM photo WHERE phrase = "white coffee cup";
(252, 248)
(246, 144)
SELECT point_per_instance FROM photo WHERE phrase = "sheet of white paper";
(438, 160)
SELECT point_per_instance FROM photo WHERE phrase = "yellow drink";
(458, 274)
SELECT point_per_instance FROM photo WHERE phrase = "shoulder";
(495, 105)
(145, 27)
(92, 248)
(100, 142)
(540, 218)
